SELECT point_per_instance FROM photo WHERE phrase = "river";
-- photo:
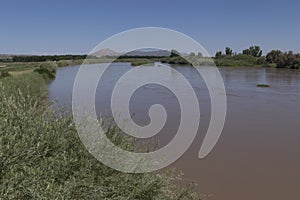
(257, 156)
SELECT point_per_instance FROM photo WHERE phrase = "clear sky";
(61, 26)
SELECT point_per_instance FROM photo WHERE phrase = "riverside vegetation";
(251, 57)
(42, 157)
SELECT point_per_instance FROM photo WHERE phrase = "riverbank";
(42, 156)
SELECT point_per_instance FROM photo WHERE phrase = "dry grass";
(16, 73)
(42, 157)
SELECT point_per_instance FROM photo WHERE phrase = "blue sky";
(58, 27)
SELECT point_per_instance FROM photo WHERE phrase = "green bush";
(50, 66)
(64, 63)
(42, 157)
(48, 70)
(175, 60)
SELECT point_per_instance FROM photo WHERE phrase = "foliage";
(228, 51)
(192, 54)
(47, 58)
(175, 60)
(41, 156)
(48, 70)
(139, 62)
(174, 53)
(261, 61)
(237, 60)
(218, 54)
(253, 57)
(64, 63)
(249, 57)
(199, 55)
(253, 51)
(5, 58)
(284, 60)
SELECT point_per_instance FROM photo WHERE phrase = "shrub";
(141, 62)
(50, 66)
(48, 70)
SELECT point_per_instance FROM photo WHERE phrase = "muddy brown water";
(257, 155)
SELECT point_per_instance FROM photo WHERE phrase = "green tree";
(253, 51)
(276, 57)
(218, 54)
(291, 60)
(192, 54)
(261, 60)
(199, 55)
(272, 57)
(228, 51)
(246, 52)
(283, 60)
(174, 53)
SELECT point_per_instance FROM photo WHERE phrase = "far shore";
(237, 61)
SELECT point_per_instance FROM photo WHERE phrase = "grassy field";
(12, 67)
(42, 157)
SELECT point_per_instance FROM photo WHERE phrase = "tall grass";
(142, 62)
(41, 156)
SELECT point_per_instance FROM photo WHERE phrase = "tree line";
(276, 58)
(47, 58)
(251, 56)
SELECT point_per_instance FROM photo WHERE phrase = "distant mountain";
(106, 52)
(149, 52)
